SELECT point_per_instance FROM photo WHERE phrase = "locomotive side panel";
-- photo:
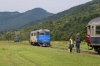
(33, 37)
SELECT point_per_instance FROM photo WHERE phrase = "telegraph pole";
(50, 22)
(20, 35)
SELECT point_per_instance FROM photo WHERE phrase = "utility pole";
(50, 22)
(20, 35)
(29, 30)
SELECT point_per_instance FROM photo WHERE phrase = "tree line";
(72, 23)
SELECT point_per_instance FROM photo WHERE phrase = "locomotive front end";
(44, 37)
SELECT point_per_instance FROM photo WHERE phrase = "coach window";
(98, 30)
(92, 31)
(31, 34)
(34, 34)
(88, 30)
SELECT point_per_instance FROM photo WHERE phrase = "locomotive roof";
(94, 21)
(41, 30)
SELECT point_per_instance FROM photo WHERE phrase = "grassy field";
(24, 54)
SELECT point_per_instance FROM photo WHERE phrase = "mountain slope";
(71, 22)
(9, 20)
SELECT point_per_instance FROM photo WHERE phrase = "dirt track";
(83, 52)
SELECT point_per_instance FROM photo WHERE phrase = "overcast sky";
(53, 6)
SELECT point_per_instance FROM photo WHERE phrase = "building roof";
(94, 21)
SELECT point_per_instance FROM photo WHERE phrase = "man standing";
(78, 45)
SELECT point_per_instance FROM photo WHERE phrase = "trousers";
(71, 46)
(78, 48)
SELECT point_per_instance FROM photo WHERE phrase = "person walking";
(78, 45)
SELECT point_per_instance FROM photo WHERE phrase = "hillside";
(9, 20)
(71, 22)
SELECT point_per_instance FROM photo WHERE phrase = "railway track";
(82, 51)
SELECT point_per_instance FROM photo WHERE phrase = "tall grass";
(24, 54)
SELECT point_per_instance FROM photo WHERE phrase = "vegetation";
(70, 22)
(23, 54)
(73, 22)
(15, 20)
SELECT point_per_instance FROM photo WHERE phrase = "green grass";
(24, 54)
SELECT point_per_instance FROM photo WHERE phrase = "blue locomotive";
(40, 37)
(16, 39)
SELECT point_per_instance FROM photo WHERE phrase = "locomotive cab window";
(41, 33)
(98, 30)
(31, 34)
(88, 30)
(92, 31)
(47, 33)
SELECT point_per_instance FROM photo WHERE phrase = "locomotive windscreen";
(41, 33)
(47, 33)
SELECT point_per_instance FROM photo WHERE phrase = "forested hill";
(71, 22)
(9, 20)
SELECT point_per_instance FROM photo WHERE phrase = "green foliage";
(15, 20)
(70, 22)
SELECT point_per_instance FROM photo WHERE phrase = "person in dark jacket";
(78, 45)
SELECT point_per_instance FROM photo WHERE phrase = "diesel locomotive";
(40, 37)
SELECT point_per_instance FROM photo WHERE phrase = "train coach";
(40, 37)
(93, 34)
